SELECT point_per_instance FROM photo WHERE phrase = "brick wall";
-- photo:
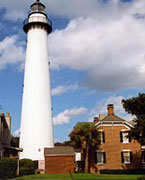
(113, 148)
(59, 164)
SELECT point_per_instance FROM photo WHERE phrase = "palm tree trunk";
(87, 169)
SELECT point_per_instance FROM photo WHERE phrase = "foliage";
(65, 143)
(14, 141)
(7, 168)
(26, 167)
(85, 132)
(136, 107)
(141, 177)
(122, 171)
(85, 136)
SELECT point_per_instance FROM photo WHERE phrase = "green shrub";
(141, 177)
(8, 168)
(26, 167)
(122, 171)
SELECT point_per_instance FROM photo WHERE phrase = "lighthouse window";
(38, 8)
(35, 7)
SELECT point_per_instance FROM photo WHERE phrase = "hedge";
(8, 168)
(122, 171)
(27, 167)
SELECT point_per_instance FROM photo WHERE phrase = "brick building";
(5, 137)
(5, 127)
(59, 160)
(116, 151)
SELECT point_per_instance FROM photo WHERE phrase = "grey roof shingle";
(59, 150)
(112, 118)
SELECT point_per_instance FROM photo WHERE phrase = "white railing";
(37, 19)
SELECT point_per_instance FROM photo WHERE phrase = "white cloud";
(101, 108)
(62, 89)
(111, 51)
(11, 52)
(15, 15)
(65, 116)
(103, 39)
(75, 8)
(15, 9)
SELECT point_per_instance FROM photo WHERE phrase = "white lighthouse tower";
(36, 118)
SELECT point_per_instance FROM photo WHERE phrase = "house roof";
(13, 148)
(84, 123)
(59, 151)
(1, 114)
(112, 118)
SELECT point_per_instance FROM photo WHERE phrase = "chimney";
(96, 119)
(110, 108)
(8, 114)
(8, 120)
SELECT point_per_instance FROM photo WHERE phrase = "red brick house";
(59, 160)
(116, 151)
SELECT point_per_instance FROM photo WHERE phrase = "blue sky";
(97, 54)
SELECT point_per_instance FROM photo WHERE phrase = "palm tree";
(85, 136)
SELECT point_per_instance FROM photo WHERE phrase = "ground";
(82, 176)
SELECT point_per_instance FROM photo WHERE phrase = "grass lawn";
(81, 176)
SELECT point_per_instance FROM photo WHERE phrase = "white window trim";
(125, 130)
(127, 150)
(101, 131)
(100, 151)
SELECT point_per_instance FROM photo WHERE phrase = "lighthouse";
(36, 131)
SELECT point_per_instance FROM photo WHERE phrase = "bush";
(26, 167)
(122, 171)
(141, 177)
(8, 168)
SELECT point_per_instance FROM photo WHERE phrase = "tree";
(86, 136)
(14, 141)
(65, 143)
(136, 107)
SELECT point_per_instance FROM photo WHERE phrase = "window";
(100, 157)
(126, 156)
(124, 137)
(102, 136)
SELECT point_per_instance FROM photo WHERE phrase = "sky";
(97, 55)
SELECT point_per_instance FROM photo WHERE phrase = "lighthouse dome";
(37, 7)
